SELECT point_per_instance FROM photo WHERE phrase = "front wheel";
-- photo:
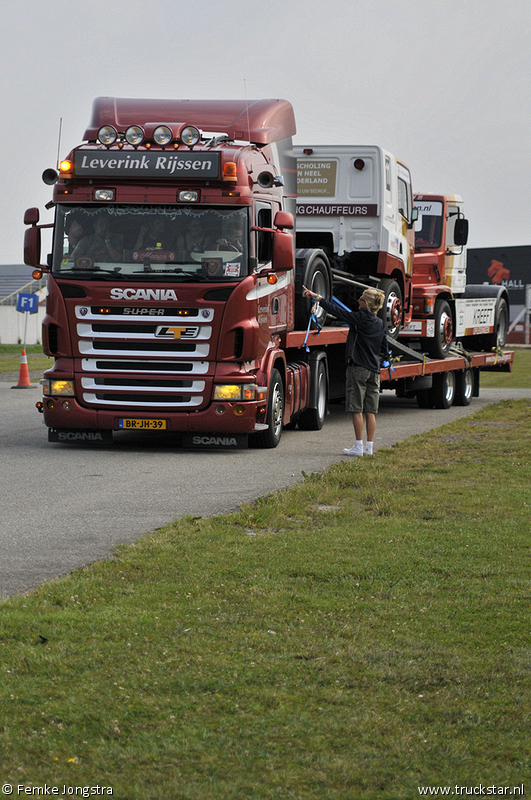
(274, 415)
(316, 277)
(439, 346)
(391, 311)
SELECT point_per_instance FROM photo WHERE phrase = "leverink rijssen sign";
(106, 164)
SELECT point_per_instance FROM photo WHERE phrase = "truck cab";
(356, 203)
(446, 309)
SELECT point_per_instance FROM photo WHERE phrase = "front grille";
(141, 347)
(131, 360)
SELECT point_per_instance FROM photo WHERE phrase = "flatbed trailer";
(435, 382)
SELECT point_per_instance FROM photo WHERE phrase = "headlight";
(190, 135)
(107, 134)
(58, 388)
(162, 135)
(104, 194)
(188, 196)
(134, 135)
(235, 392)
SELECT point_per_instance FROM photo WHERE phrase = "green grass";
(10, 358)
(357, 636)
(519, 378)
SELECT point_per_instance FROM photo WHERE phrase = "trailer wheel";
(439, 346)
(313, 418)
(464, 388)
(274, 415)
(316, 276)
(391, 311)
(425, 399)
(443, 390)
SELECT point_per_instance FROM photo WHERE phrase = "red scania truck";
(174, 286)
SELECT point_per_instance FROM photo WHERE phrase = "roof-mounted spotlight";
(190, 136)
(134, 135)
(107, 134)
(163, 135)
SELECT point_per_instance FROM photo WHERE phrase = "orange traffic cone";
(24, 378)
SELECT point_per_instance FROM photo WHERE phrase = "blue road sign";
(27, 302)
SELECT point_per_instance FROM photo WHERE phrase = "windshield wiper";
(93, 272)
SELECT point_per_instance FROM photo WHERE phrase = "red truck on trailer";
(174, 284)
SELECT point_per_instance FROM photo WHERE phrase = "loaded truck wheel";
(315, 275)
(274, 415)
(498, 337)
(443, 390)
(464, 388)
(439, 345)
(313, 418)
(501, 326)
(391, 311)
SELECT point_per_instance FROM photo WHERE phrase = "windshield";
(429, 225)
(186, 243)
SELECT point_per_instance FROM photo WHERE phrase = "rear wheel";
(313, 418)
(391, 311)
(443, 390)
(464, 388)
(501, 326)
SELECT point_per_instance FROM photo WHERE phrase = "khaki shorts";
(362, 390)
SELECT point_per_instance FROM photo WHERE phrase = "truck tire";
(391, 311)
(443, 390)
(425, 398)
(501, 325)
(464, 387)
(274, 414)
(498, 338)
(313, 418)
(439, 346)
(315, 275)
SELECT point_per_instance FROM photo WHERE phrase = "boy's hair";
(375, 299)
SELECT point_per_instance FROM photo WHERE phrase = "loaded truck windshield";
(429, 225)
(186, 243)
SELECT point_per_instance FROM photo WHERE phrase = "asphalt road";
(66, 506)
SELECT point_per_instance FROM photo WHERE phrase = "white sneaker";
(367, 451)
(353, 451)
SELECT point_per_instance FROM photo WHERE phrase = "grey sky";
(444, 86)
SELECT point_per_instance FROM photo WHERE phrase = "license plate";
(142, 424)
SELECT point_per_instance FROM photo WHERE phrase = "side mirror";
(31, 216)
(32, 246)
(461, 232)
(283, 252)
(283, 219)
